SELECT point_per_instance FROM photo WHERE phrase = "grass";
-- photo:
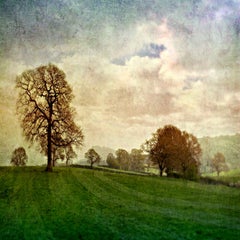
(76, 203)
(229, 177)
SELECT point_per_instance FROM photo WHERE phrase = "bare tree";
(44, 109)
(19, 157)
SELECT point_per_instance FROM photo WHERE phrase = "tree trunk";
(49, 147)
(160, 170)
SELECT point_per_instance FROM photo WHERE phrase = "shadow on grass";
(212, 181)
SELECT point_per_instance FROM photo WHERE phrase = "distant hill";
(103, 152)
(228, 145)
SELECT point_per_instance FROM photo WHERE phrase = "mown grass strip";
(74, 203)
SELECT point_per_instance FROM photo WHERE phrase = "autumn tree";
(173, 150)
(19, 157)
(92, 157)
(161, 147)
(218, 163)
(187, 160)
(44, 110)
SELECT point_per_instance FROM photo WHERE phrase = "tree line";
(47, 118)
(133, 161)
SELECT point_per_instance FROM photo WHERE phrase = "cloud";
(151, 50)
(212, 36)
(131, 74)
(148, 92)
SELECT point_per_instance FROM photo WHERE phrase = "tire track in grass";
(203, 212)
(63, 206)
(98, 191)
(84, 213)
(154, 199)
(85, 204)
(6, 186)
(118, 211)
(69, 212)
(119, 200)
(197, 217)
(8, 217)
(48, 198)
(114, 186)
(199, 207)
(165, 206)
(43, 202)
(137, 218)
(3, 172)
(26, 222)
(34, 224)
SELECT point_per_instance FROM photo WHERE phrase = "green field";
(232, 176)
(75, 203)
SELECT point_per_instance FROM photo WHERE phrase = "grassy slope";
(232, 176)
(73, 203)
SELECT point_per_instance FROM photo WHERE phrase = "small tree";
(148, 163)
(137, 160)
(57, 153)
(123, 159)
(218, 163)
(111, 161)
(70, 154)
(92, 157)
(19, 157)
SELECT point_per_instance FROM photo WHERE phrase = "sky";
(134, 65)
